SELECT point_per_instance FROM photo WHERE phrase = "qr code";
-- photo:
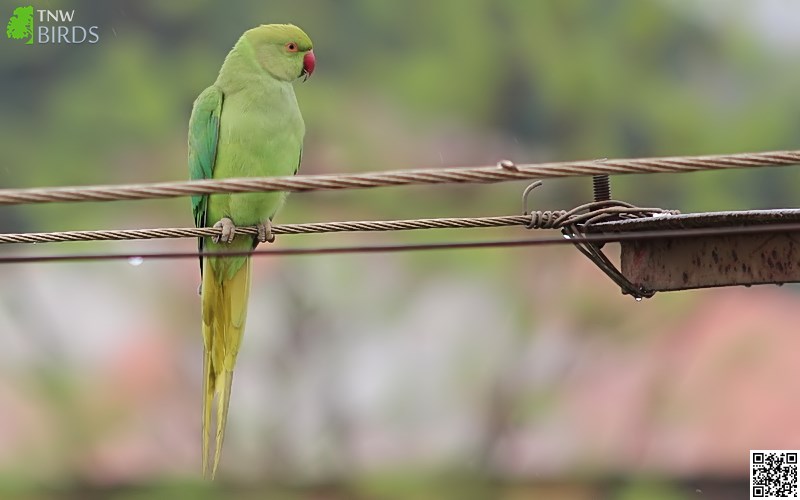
(773, 474)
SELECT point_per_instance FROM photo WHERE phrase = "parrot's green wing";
(203, 139)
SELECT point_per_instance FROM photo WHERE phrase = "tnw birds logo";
(44, 26)
(20, 26)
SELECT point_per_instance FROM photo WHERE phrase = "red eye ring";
(291, 47)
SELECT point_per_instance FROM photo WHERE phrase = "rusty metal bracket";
(703, 261)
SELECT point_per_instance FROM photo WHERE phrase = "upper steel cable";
(504, 171)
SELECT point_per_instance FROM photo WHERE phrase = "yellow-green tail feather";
(224, 302)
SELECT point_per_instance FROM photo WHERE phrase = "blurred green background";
(468, 374)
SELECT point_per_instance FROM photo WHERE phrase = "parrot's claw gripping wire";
(265, 234)
(228, 231)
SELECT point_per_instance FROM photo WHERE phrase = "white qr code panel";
(773, 474)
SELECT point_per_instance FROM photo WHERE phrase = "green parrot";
(246, 124)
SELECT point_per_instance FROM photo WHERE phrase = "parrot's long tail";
(224, 311)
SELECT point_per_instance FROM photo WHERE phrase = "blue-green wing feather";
(203, 141)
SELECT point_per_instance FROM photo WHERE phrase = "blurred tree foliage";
(570, 79)
(558, 80)
(404, 84)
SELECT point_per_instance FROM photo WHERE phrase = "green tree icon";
(20, 25)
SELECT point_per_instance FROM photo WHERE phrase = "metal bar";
(670, 264)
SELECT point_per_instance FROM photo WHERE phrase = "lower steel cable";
(589, 238)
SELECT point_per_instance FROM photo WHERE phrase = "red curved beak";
(309, 62)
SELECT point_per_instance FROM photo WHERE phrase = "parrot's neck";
(241, 71)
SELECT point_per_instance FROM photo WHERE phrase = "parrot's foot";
(265, 232)
(228, 231)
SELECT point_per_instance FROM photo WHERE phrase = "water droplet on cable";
(135, 261)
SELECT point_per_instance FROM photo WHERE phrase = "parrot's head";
(283, 50)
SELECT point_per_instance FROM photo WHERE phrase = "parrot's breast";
(261, 134)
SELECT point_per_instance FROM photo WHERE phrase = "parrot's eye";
(291, 47)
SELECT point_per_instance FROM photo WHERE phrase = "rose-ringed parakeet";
(246, 124)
